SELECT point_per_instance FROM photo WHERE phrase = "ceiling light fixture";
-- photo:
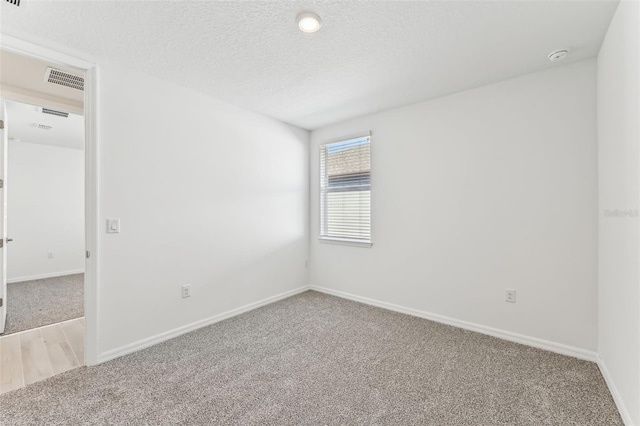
(308, 22)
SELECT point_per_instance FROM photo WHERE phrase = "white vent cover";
(54, 112)
(14, 2)
(64, 78)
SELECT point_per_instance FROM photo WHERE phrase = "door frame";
(43, 49)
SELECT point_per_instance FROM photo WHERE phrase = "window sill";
(345, 242)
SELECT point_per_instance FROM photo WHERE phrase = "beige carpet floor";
(32, 304)
(314, 359)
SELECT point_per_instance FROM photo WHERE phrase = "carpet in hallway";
(32, 304)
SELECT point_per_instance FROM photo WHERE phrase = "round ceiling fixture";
(558, 55)
(308, 22)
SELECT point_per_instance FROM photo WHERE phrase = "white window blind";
(345, 190)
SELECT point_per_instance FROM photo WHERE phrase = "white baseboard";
(622, 408)
(158, 338)
(42, 276)
(559, 348)
(502, 334)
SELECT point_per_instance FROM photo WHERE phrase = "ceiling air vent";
(54, 112)
(13, 2)
(64, 78)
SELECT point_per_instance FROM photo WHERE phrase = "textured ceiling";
(368, 56)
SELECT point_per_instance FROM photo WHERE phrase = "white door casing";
(44, 49)
(3, 213)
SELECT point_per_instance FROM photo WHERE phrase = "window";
(345, 191)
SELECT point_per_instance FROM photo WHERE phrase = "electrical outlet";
(49, 255)
(186, 291)
(510, 295)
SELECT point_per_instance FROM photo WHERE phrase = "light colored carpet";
(32, 304)
(314, 359)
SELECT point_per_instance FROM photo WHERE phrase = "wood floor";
(33, 355)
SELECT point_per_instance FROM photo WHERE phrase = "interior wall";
(487, 189)
(619, 191)
(208, 194)
(45, 211)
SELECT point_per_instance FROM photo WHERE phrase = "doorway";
(43, 290)
(45, 216)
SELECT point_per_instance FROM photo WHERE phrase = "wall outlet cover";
(186, 291)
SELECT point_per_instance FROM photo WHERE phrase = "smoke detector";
(558, 55)
(64, 78)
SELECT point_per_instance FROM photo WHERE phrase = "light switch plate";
(113, 226)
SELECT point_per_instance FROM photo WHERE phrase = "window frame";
(323, 200)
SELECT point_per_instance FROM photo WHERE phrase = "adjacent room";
(45, 209)
(321, 212)
(42, 219)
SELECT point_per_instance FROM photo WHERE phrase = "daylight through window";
(345, 190)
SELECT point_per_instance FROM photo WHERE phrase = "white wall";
(473, 193)
(45, 211)
(208, 194)
(619, 189)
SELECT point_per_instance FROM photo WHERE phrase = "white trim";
(31, 97)
(92, 234)
(42, 276)
(357, 135)
(161, 337)
(535, 342)
(26, 44)
(345, 242)
(622, 408)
